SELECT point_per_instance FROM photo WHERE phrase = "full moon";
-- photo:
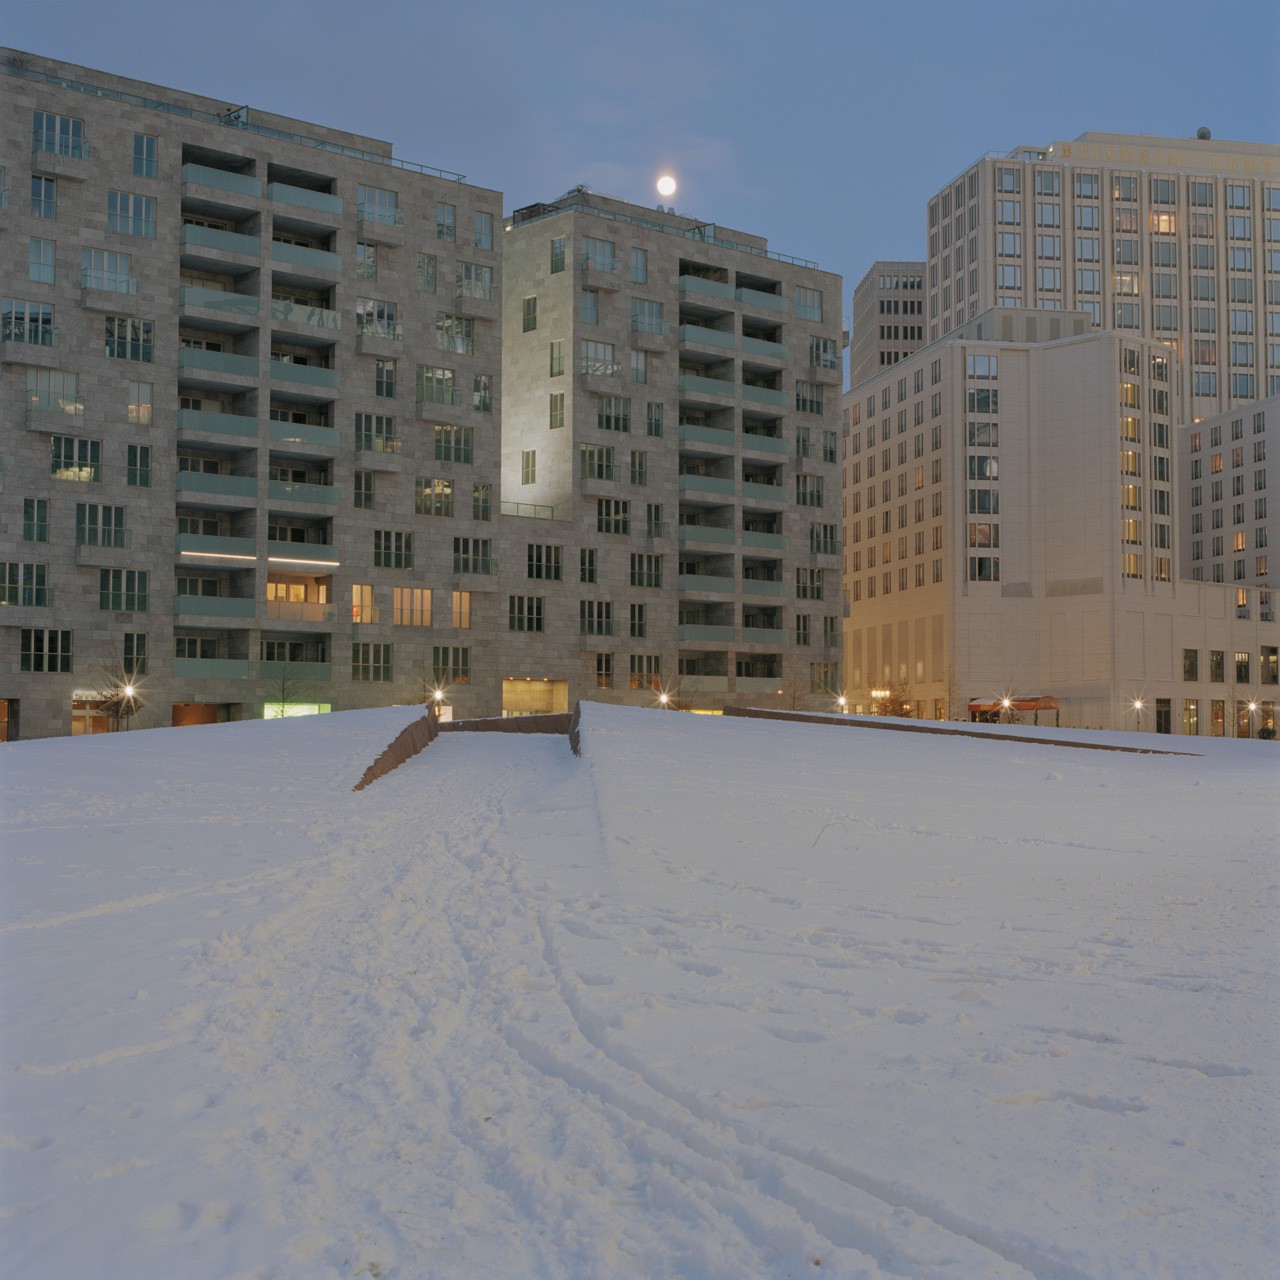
(666, 185)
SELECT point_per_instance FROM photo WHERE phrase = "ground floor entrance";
(534, 697)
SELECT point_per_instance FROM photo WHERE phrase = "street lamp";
(1137, 711)
(1253, 706)
(1006, 706)
(843, 703)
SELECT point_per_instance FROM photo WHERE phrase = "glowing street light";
(664, 700)
(1137, 711)
(843, 703)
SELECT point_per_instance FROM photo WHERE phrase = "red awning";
(1036, 702)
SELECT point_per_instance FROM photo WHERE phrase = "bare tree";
(118, 696)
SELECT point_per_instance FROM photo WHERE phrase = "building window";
(639, 467)
(473, 555)
(392, 549)
(809, 490)
(604, 671)
(481, 500)
(543, 561)
(613, 515)
(30, 322)
(128, 339)
(460, 616)
(426, 273)
(528, 466)
(809, 584)
(557, 254)
(58, 135)
(646, 671)
(637, 622)
(44, 198)
(453, 443)
(587, 564)
(376, 205)
(384, 378)
(411, 606)
(138, 466)
(362, 497)
(433, 496)
(524, 613)
(131, 215)
(40, 254)
(653, 418)
(595, 618)
(35, 520)
(450, 664)
(555, 413)
(144, 155)
(455, 333)
(122, 590)
(99, 525)
(639, 266)
(639, 367)
(529, 314)
(646, 570)
(808, 397)
(24, 583)
(367, 262)
(482, 227)
(45, 650)
(809, 304)
(590, 306)
(371, 662)
(613, 413)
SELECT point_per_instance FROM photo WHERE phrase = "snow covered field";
(722, 998)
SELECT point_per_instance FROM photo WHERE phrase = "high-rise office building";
(1171, 239)
(888, 317)
(1010, 496)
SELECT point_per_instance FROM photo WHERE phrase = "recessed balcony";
(210, 248)
(769, 301)
(201, 546)
(305, 198)
(698, 287)
(287, 491)
(225, 608)
(207, 178)
(195, 424)
(711, 583)
(306, 259)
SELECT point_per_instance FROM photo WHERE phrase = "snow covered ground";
(722, 998)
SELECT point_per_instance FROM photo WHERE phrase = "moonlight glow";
(666, 185)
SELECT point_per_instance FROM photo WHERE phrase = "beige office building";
(1176, 240)
(888, 318)
(1010, 496)
(670, 425)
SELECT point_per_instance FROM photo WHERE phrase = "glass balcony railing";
(707, 288)
(705, 484)
(286, 312)
(32, 335)
(108, 281)
(369, 327)
(325, 495)
(379, 216)
(212, 483)
(304, 198)
(755, 298)
(224, 424)
(212, 607)
(766, 395)
(222, 301)
(194, 237)
(696, 384)
(716, 582)
(310, 374)
(593, 368)
(204, 176)
(304, 433)
(763, 347)
(707, 337)
(301, 255)
(192, 359)
(705, 533)
(303, 552)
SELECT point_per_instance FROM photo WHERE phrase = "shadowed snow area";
(721, 998)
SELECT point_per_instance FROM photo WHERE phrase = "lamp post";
(664, 700)
(1006, 707)
(1137, 712)
(843, 703)
(1253, 706)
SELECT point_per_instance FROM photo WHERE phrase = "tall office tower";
(1010, 534)
(249, 391)
(1171, 239)
(670, 422)
(888, 317)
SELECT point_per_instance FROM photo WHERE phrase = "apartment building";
(670, 423)
(255, 457)
(249, 364)
(1176, 240)
(888, 317)
(1010, 505)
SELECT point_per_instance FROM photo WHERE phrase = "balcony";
(764, 541)
(198, 423)
(238, 184)
(307, 259)
(216, 369)
(244, 489)
(104, 290)
(378, 337)
(308, 375)
(305, 198)
(753, 491)
(475, 298)
(63, 159)
(693, 386)
(601, 273)
(378, 453)
(761, 347)
(379, 225)
(703, 634)
(295, 318)
(302, 553)
(754, 443)
(699, 335)
(710, 582)
(222, 607)
(299, 611)
(218, 309)
(763, 635)
(189, 546)
(303, 433)
(38, 346)
(696, 285)
(706, 484)
(210, 668)
(322, 495)
(204, 247)
(443, 404)
(706, 533)
(827, 372)
(766, 395)
(772, 587)
(769, 301)
(719, 438)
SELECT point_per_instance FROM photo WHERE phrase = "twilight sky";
(822, 125)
